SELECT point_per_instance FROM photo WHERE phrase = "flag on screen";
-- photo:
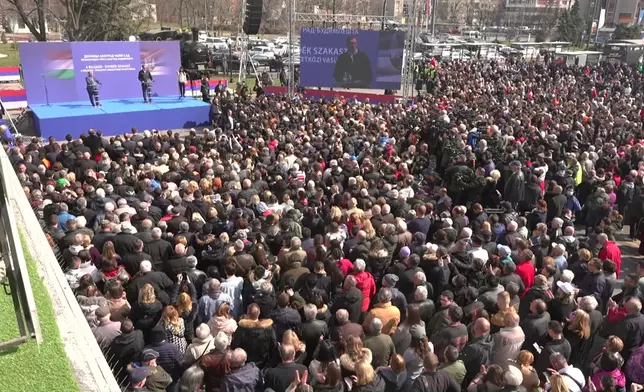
(60, 65)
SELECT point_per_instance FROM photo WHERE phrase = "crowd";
(463, 241)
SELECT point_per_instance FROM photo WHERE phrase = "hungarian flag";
(60, 65)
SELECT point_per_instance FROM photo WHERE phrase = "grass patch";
(30, 367)
(13, 57)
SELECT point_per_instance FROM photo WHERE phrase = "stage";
(118, 116)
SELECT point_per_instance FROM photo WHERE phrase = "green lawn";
(13, 58)
(30, 367)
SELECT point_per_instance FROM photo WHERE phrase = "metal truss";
(407, 80)
(342, 19)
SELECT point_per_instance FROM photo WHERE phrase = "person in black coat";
(554, 342)
(279, 378)
(160, 282)
(177, 263)
(125, 241)
(170, 357)
(351, 299)
(532, 195)
(285, 317)
(631, 328)
(594, 282)
(311, 331)
(514, 188)
(540, 290)
(132, 260)
(477, 351)
(556, 203)
(159, 249)
(125, 349)
(257, 337)
(535, 325)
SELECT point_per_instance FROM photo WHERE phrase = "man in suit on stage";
(145, 77)
(353, 67)
(92, 84)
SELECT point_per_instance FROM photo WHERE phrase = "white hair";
(401, 225)
(221, 341)
(420, 294)
(342, 316)
(310, 311)
(238, 358)
(588, 303)
(360, 265)
(146, 266)
(375, 327)
(202, 331)
(81, 221)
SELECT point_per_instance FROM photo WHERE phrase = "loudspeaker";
(253, 16)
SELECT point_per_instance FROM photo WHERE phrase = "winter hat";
(504, 251)
(138, 375)
(405, 252)
(513, 376)
(390, 280)
(148, 354)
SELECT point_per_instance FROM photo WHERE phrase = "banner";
(351, 58)
(63, 66)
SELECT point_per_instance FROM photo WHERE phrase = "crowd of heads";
(329, 245)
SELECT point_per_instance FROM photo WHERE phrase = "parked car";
(216, 43)
(262, 54)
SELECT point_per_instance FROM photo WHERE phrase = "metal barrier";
(90, 368)
(17, 275)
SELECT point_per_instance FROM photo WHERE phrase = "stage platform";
(119, 116)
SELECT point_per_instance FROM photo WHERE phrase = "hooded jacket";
(474, 354)
(285, 319)
(124, 349)
(258, 338)
(367, 286)
(198, 348)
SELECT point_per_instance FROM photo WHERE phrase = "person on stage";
(182, 79)
(145, 77)
(92, 84)
(205, 88)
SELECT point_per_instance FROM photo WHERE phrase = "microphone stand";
(44, 80)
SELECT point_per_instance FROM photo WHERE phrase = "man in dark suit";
(92, 88)
(353, 68)
(145, 77)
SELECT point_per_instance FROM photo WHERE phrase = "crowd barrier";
(328, 94)
(90, 368)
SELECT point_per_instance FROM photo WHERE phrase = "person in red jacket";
(365, 283)
(610, 251)
(525, 269)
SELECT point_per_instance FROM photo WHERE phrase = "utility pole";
(334, 14)
(384, 12)
(433, 10)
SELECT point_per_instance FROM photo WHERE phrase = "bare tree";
(33, 14)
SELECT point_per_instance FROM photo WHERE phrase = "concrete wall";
(88, 363)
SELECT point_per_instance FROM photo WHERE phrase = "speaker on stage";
(253, 18)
